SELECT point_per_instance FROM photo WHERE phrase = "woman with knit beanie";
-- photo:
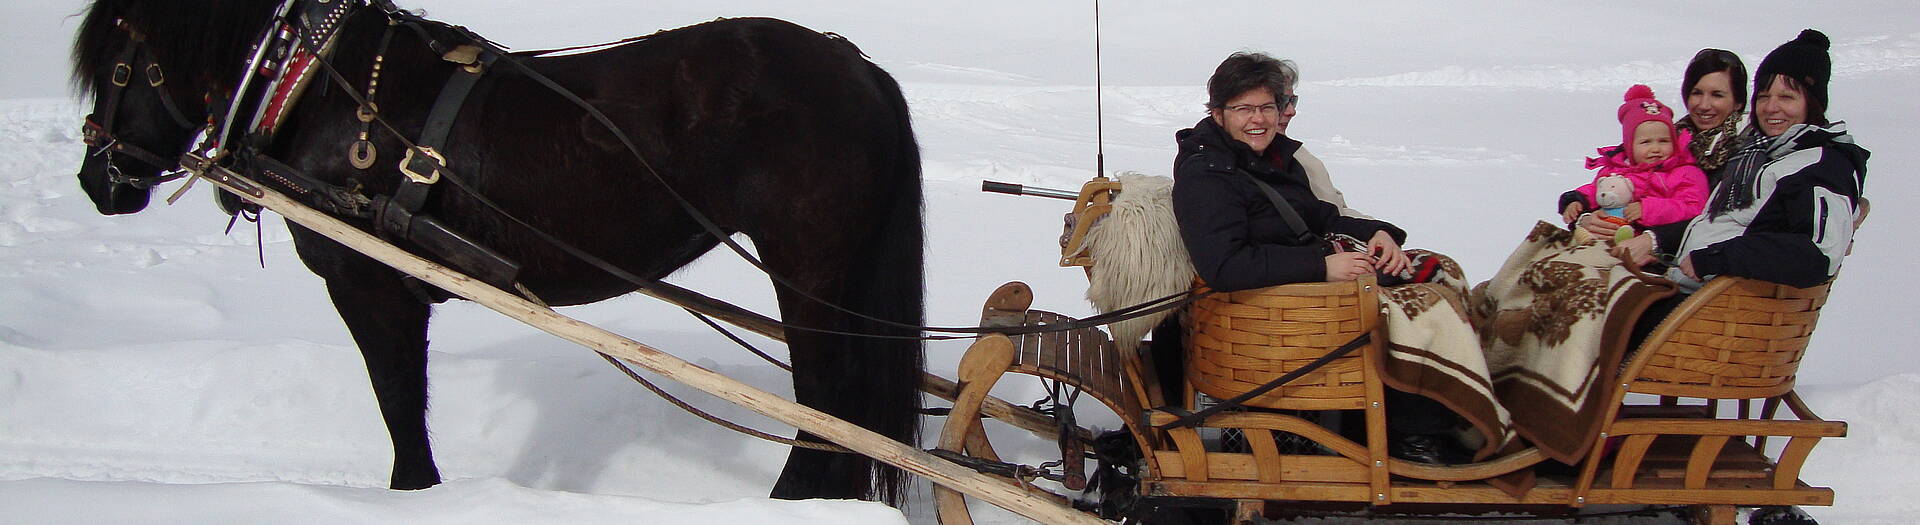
(1783, 208)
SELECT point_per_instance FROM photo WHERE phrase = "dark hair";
(1816, 111)
(1245, 71)
(1709, 61)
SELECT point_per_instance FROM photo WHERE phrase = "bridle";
(99, 134)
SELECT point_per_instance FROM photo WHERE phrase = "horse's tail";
(898, 265)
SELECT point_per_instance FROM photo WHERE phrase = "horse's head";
(151, 67)
(145, 109)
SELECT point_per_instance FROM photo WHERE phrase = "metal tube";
(1016, 189)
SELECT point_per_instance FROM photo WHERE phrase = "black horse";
(772, 130)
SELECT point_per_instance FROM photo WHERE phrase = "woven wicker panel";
(1238, 341)
(1751, 336)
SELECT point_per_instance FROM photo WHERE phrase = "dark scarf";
(1712, 147)
(1742, 169)
(1739, 182)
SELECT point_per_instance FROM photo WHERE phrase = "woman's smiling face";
(1779, 107)
(1711, 101)
(1254, 118)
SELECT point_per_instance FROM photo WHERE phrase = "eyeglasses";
(1248, 110)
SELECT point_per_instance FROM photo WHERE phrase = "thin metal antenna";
(1099, 125)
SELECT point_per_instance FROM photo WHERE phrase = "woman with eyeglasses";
(1240, 236)
(1236, 235)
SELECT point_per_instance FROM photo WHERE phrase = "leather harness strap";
(1195, 418)
(423, 161)
(99, 133)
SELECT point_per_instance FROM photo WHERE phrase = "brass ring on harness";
(361, 154)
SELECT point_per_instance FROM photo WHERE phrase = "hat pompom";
(1812, 38)
(1639, 91)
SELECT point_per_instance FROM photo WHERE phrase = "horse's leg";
(873, 383)
(850, 379)
(390, 325)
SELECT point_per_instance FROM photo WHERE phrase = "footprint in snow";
(148, 259)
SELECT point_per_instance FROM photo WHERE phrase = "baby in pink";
(1653, 156)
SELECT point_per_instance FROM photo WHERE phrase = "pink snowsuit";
(1670, 191)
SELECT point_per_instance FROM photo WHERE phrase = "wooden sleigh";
(1663, 442)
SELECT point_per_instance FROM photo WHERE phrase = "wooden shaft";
(800, 416)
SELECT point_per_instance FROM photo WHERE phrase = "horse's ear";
(233, 204)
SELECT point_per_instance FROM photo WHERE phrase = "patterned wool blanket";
(1432, 351)
(1554, 323)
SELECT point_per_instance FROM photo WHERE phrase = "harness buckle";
(154, 76)
(121, 74)
(432, 167)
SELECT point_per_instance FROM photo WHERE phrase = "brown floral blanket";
(1433, 351)
(1554, 323)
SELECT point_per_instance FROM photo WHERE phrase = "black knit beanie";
(1805, 59)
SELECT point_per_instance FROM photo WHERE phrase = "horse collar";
(300, 40)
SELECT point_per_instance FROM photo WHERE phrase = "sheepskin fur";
(1138, 255)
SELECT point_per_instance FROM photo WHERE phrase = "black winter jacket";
(1800, 225)
(1236, 238)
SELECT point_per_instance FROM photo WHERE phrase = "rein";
(1187, 419)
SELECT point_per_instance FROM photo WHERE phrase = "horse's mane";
(194, 37)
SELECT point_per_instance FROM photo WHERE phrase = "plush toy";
(1613, 193)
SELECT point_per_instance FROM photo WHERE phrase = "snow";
(152, 371)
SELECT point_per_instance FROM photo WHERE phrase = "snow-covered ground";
(152, 372)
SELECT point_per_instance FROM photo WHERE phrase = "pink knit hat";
(1641, 107)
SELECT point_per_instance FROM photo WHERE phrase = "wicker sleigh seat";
(1237, 341)
(1736, 339)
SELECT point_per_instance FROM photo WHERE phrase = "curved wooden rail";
(1347, 448)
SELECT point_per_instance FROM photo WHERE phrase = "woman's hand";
(1572, 213)
(1639, 249)
(1686, 267)
(1632, 212)
(1598, 226)
(1387, 256)
(1347, 266)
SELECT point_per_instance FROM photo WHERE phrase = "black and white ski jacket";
(1799, 224)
